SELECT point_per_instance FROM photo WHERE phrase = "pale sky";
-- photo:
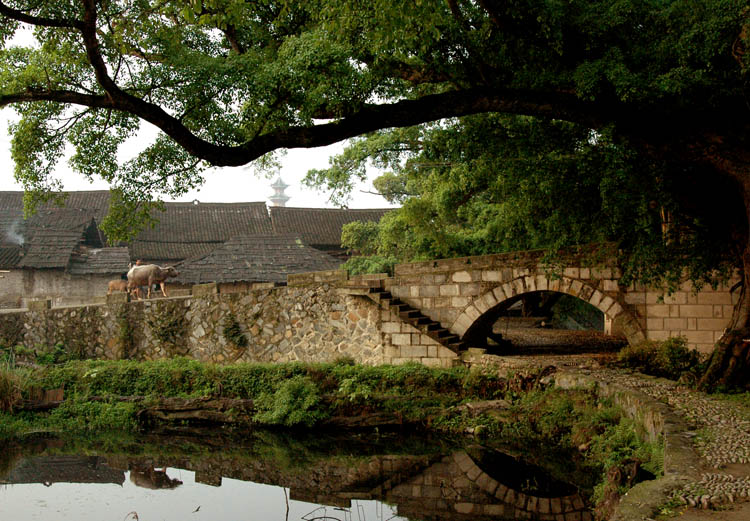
(222, 184)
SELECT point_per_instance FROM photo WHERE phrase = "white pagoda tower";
(279, 198)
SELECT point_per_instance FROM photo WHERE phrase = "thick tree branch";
(21, 16)
(59, 96)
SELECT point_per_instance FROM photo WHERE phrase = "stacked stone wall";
(311, 323)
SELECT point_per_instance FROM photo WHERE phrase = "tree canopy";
(228, 81)
(490, 183)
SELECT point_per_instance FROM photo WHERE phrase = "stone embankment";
(707, 438)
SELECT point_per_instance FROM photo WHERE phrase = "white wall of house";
(64, 289)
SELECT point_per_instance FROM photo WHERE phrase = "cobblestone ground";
(722, 427)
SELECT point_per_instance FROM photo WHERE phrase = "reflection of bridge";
(450, 487)
(454, 302)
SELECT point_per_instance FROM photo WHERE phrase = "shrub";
(233, 332)
(10, 390)
(295, 402)
(670, 358)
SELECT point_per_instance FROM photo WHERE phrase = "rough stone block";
(449, 290)
(491, 276)
(392, 351)
(699, 337)
(401, 339)
(429, 291)
(464, 508)
(657, 335)
(118, 297)
(499, 294)
(657, 310)
(445, 353)
(459, 302)
(471, 289)
(391, 327)
(606, 303)
(461, 276)
(200, 290)
(714, 297)
(472, 312)
(615, 310)
(654, 324)
(635, 297)
(486, 483)
(473, 473)
(39, 304)
(674, 324)
(572, 273)
(696, 310)
(542, 283)
(414, 351)
(575, 287)
(432, 362)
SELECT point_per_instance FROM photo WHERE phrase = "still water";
(269, 476)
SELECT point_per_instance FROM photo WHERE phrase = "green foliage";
(492, 183)
(233, 332)
(370, 264)
(125, 333)
(79, 415)
(295, 402)
(168, 325)
(670, 358)
(10, 390)
(57, 354)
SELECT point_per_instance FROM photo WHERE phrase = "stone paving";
(722, 437)
(721, 427)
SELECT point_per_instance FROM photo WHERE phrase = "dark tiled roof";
(9, 256)
(50, 249)
(255, 258)
(159, 252)
(99, 260)
(207, 222)
(319, 227)
(95, 200)
(187, 230)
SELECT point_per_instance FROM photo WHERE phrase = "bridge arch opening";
(534, 313)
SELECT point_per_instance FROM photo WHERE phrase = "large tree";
(228, 81)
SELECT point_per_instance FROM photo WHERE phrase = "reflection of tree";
(153, 478)
(9, 457)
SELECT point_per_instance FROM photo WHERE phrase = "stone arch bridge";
(456, 301)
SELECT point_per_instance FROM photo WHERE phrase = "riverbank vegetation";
(519, 412)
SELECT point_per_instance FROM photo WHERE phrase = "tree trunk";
(729, 365)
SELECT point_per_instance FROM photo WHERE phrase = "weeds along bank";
(575, 434)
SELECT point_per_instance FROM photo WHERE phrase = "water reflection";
(359, 477)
